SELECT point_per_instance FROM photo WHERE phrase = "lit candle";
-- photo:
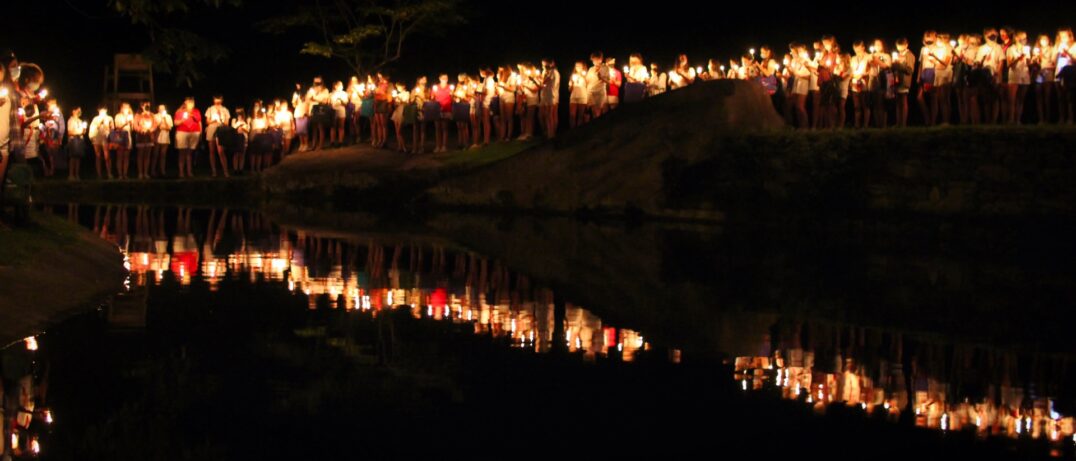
(872, 49)
(722, 68)
(894, 55)
(751, 51)
(786, 61)
(829, 63)
(394, 94)
(1027, 50)
(1035, 51)
(952, 43)
(626, 69)
(43, 93)
(698, 70)
(452, 87)
(146, 125)
(3, 92)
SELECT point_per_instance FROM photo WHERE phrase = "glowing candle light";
(43, 93)
(48, 416)
(31, 343)
(786, 61)
(35, 446)
(895, 55)
(452, 87)
(872, 49)
(722, 68)
(1027, 50)
(698, 70)
(1036, 51)
(626, 69)
(751, 51)
(952, 43)
(3, 92)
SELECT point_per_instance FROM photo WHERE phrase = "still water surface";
(228, 316)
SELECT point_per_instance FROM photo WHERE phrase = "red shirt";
(188, 121)
(443, 96)
(614, 82)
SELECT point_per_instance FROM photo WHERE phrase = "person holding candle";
(188, 135)
(31, 129)
(285, 121)
(382, 108)
(879, 82)
(401, 99)
(768, 69)
(163, 123)
(1018, 57)
(1044, 56)
(577, 99)
(637, 78)
(928, 97)
(145, 128)
(682, 73)
(861, 65)
(442, 94)
(943, 78)
(120, 139)
(242, 132)
(354, 104)
(76, 144)
(616, 80)
(53, 130)
(462, 97)
(338, 99)
(420, 97)
(100, 127)
(302, 118)
(321, 113)
(216, 116)
(659, 81)
(903, 68)
(531, 89)
(506, 92)
(1065, 50)
(488, 95)
(787, 81)
(367, 107)
(550, 97)
(813, 91)
(828, 75)
(261, 141)
(990, 59)
(801, 72)
(597, 81)
(973, 80)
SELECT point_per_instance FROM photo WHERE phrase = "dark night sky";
(74, 39)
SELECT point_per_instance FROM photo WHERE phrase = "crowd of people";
(984, 78)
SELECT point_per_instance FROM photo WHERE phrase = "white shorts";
(508, 98)
(164, 138)
(187, 139)
(341, 112)
(612, 99)
(211, 132)
(532, 101)
(944, 77)
(596, 99)
(800, 87)
(1019, 77)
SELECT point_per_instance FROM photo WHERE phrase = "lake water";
(290, 334)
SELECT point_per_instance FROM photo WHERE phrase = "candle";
(819, 55)
(146, 125)
(43, 93)
(952, 43)
(872, 49)
(829, 63)
(452, 87)
(1035, 51)
(626, 70)
(394, 94)
(698, 70)
(894, 55)
(1027, 50)
(3, 92)
(751, 51)
(786, 61)
(722, 68)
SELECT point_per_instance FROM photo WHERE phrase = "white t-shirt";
(597, 79)
(100, 125)
(5, 124)
(76, 127)
(216, 115)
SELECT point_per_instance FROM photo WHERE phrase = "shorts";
(76, 147)
(943, 77)
(381, 107)
(164, 138)
(844, 88)
(612, 99)
(143, 140)
(800, 87)
(508, 98)
(211, 132)
(532, 101)
(101, 139)
(578, 98)
(596, 99)
(340, 112)
(1019, 78)
(187, 139)
(301, 125)
(547, 100)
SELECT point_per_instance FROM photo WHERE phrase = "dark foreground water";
(354, 336)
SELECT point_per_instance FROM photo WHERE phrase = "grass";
(495, 152)
(19, 244)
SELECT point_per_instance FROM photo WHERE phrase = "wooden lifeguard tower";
(129, 78)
